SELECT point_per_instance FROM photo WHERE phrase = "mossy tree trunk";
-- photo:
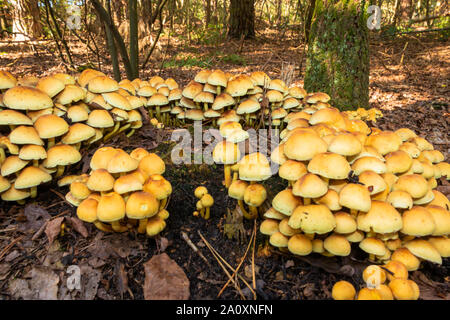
(338, 53)
(242, 19)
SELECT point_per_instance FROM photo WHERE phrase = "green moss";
(338, 54)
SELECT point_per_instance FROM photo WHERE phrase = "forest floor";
(409, 82)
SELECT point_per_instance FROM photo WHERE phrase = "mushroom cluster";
(351, 184)
(373, 114)
(123, 191)
(394, 273)
(204, 203)
(35, 141)
(219, 97)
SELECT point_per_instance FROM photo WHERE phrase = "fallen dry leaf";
(122, 278)
(53, 229)
(36, 217)
(43, 285)
(79, 226)
(165, 280)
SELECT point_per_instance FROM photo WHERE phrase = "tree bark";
(338, 53)
(242, 19)
(207, 13)
(134, 39)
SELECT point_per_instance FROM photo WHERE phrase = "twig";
(9, 246)
(218, 256)
(194, 247)
(40, 231)
(8, 229)
(239, 266)
(253, 255)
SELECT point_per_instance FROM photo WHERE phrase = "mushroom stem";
(310, 236)
(117, 227)
(51, 143)
(218, 89)
(102, 227)
(205, 106)
(12, 127)
(36, 163)
(227, 173)
(163, 204)
(207, 214)
(2, 155)
(241, 205)
(109, 135)
(150, 112)
(77, 146)
(33, 192)
(142, 225)
(130, 133)
(354, 213)
(306, 201)
(202, 213)
(59, 172)
(125, 127)
(252, 214)
(158, 113)
(21, 202)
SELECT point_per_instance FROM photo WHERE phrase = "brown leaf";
(122, 278)
(78, 226)
(43, 285)
(165, 280)
(36, 216)
(53, 228)
(429, 289)
(163, 244)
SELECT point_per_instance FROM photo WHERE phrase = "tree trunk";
(308, 19)
(134, 39)
(338, 53)
(207, 13)
(242, 19)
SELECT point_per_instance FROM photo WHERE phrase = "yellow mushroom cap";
(345, 144)
(374, 276)
(329, 165)
(87, 210)
(141, 205)
(418, 222)
(12, 164)
(102, 157)
(226, 153)
(442, 245)
(139, 154)
(355, 197)
(26, 98)
(13, 194)
(310, 186)
(292, 170)
(402, 289)
(304, 145)
(158, 186)
(25, 135)
(398, 270)
(403, 255)
(62, 155)
(207, 200)
(31, 177)
(368, 163)
(122, 162)
(155, 225)
(152, 164)
(381, 218)
(269, 227)
(345, 223)
(128, 183)
(337, 245)
(200, 192)
(424, 250)
(255, 195)
(285, 202)
(111, 207)
(373, 181)
(400, 199)
(398, 162)
(279, 240)
(343, 290)
(369, 294)
(384, 142)
(441, 218)
(312, 219)
(254, 167)
(373, 246)
(79, 190)
(100, 180)
(237, 189)
(300, 245)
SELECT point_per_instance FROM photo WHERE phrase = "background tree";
(242, 19)
(338, 53)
